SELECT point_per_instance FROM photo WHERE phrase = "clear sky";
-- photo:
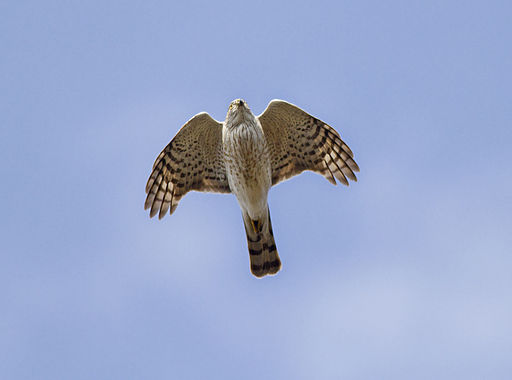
(405, 274)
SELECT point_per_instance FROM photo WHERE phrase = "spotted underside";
(298, 141)
(193, 160)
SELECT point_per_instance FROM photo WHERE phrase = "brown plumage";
(262, 247)
(246, 155)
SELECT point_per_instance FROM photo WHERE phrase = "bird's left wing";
(298, 141)
(193, 160)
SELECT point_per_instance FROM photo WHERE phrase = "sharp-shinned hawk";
(246, 155)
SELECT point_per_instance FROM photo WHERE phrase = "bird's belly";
(249, 175)
(250, 182)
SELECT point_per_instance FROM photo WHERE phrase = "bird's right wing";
(193, 160)
(298, 141)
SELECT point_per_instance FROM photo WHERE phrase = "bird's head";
(238, 110)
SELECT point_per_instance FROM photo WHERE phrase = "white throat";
(240, 116)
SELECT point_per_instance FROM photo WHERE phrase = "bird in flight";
(246, 155)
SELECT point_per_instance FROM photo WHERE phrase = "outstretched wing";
(193, 160)
(298, 141)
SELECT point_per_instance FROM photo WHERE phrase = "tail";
(262, 247)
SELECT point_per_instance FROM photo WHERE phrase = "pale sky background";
(406, 274)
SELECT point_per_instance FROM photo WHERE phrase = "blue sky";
(405, 274)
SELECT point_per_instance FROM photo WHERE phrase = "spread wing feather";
(298, 141)
(193, 160)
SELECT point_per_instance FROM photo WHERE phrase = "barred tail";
(262, 247)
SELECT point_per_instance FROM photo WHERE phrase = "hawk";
(246, 155)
